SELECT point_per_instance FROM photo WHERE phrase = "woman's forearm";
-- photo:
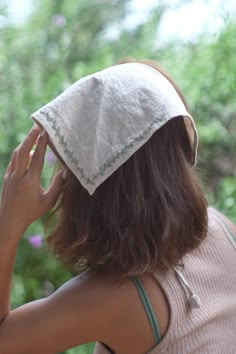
(8, 250)
(23, 200)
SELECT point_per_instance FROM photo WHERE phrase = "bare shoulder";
(91, 296)
(226, 220)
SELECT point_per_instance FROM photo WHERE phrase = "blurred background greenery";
(60, 41)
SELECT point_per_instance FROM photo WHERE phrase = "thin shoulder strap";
(148, 307)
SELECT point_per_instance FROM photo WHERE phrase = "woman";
(158, 266)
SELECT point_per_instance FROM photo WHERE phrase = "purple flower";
(36, 241)
(59, 20)
(51, 158)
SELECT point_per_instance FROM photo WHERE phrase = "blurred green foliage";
(62, 41)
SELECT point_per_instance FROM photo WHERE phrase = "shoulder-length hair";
(146, 216)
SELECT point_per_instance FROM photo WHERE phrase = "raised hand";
(23, 199)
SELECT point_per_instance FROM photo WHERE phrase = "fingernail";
(42, 133)
(64, 174)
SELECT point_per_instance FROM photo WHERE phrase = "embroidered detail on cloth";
(67, 151)
(108, 163)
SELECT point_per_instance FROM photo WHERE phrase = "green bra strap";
(148, 307)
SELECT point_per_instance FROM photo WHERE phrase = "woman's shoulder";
(114, 305)
(221, 218)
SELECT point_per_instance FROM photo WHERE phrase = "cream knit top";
(210, 272)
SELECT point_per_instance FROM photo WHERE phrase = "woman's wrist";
(11, 230)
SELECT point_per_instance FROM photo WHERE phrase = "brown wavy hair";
(146, 216)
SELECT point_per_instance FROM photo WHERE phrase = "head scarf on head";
(100, 121)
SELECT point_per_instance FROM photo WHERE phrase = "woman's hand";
(23, 200)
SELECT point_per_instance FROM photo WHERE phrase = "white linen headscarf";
(100, 121)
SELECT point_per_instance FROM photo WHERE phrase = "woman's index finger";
(30, 139)
(37, 161)
(25, 148)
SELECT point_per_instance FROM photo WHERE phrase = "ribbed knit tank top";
(210, 271)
